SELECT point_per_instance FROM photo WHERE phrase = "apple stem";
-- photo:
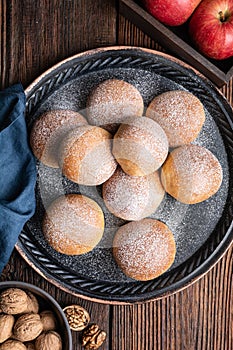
(222, 16)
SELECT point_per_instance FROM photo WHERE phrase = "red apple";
(211, 28)
(171, 12)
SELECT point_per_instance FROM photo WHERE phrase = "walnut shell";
(49, 340)
(30, 346)
(13, 301)
(6, 326)
(27, 327)
(32, 304)
(12, 345)
(48, 319)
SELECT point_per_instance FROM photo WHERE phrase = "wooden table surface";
(34, 36)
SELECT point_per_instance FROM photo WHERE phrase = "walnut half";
(93, 337)
(77, 317)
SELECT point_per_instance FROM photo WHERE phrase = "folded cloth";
(17, 171)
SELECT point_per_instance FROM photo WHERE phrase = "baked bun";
(132, 197)
(144, 249)
(180, 114)
(140, 146)
(191, 174)
(73, 224)
(86, 157)
(111, 102)
(48, 131)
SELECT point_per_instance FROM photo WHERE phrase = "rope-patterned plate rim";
(217, 244)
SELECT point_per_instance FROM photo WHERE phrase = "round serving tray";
(203, 232)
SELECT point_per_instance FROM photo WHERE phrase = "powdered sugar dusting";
(142, 142)
(190, 224)
(144, 249)
(86, 156)
(49, 130)
(112, 101)
(181, 115)
(73, 219)
(132, 197)
(191, 174)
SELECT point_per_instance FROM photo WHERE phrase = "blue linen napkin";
(17, 171)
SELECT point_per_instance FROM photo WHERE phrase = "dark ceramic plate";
(203, 232)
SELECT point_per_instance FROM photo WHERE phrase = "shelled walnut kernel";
(93, 337)
(77, 317)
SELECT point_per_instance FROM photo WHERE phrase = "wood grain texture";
(37, 34)
(197, 318)
(34, 36)
(176, 41)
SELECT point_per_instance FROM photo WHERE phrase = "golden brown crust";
(73, 224)
(144, 249)
(180, 114)
(48, 130)
(86, 157)
(132, 197)
(111, 102)
(129, 167)
(140, 146)
(191, 174)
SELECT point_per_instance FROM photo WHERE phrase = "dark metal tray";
(203, 232)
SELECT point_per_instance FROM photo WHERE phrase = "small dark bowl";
(46, 302)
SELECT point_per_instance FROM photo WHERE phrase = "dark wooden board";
(34, 36)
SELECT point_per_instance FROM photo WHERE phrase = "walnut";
(49, 320)
(27, 327)
(13, 301)
(93, 337)
(49, 340)
(32, 303)
(77, 317)
(6, 326)
(12, 345)
(30, 346)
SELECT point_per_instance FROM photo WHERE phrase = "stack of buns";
(136, 159)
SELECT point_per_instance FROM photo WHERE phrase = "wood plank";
(199, 317)
(38, 34)
(3, 42)
(34, 36)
